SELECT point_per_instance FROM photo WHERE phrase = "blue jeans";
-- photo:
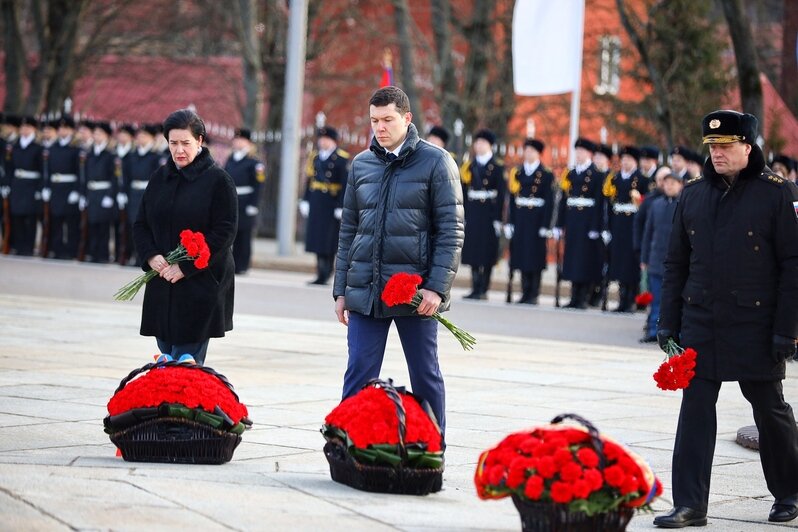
(198, 350)
(367, 336)
(655, 286)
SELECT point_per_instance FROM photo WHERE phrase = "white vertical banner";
(547, 46)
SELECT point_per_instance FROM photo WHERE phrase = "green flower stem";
(129, 291)
(466, 340)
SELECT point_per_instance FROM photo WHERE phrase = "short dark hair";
(184, 119)
(388, 95)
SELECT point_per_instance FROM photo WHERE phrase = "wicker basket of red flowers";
(567, 478)
(176, 413)
(384, 439)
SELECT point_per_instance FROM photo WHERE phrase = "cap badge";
(714, 123)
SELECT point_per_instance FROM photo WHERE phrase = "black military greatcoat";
(580, 212)
(624, 264)
(101, 174)
(138, 167)
(731, 274)
(531, 208)
(63, 178)
(483, 198)
(248, 175)
(324, 193)
(25, 177)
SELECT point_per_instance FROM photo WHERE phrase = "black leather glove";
(783, 347)
(663, 335)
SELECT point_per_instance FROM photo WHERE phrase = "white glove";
(251, 210)
(593, 235)
(497, 226)
(5, 191)
(82, 203)
(606, 236)
(107, 202)
(73, 197)
(338, 212)
(121, 199)
(46, 194)
(556, 233)
(304, 208)
(544, 233)
(509, 229)
(37, 195)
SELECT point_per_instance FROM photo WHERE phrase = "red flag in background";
(387, 69)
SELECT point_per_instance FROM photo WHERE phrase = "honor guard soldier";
(327, 170)
(25, 171)
(531, 190)
(619, 189)
(62, 184)
(781, 165)
(731, 293)
(123, 237)
(648, 169)
(85, 135)
(248, 174)
(580, 216)
(484, 189)
(101, 173)
(142, 162)
(679, 156)
(601, 160)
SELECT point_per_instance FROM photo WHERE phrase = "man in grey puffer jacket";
(402, 212)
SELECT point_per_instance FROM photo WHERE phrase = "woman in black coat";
(184, 306)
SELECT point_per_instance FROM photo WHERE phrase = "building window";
(609, 63)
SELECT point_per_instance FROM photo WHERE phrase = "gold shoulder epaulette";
(772, 178)
(310, 169)
(343, 153)
(692, 180)
(565, 183)
(609, 189)
(465, 173)
(513, 184)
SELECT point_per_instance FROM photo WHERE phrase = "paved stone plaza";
(61, 359)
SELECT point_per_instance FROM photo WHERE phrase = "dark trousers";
(23, 234)
(366, 337)
(64, 236)
(242, 249)
(480, 281)
(198, 349)
(99, 242)
(697, 429)
(324, 267)
(579, 295)
(530, 287)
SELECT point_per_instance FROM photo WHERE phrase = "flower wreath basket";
(384, 439)
(176, 413)
(567, 478)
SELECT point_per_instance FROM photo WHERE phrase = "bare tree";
(745, 57)
(407, 72)
(15, 56)
(444, 71)
(246, 27)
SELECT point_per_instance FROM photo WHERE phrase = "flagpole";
(576, 95)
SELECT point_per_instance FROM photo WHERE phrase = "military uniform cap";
(327, 131)
(66, 121)
(486, 134)
(535, 143)
(724, 127)
(151, 129)
(128, 128)
(439, 132)
(243, 133)
(13, 120)
(87, 123)
(105, 126)
(694, 156)
(28, 120)
(782, 159)
(605, 149)
(589, 145)
(684, 151)
(631, 151)
(649, 152)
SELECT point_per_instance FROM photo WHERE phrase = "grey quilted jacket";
(404, 215)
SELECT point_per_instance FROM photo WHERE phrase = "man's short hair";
(388, 95)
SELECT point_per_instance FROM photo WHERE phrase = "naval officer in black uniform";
(730, 291)
(248, 174)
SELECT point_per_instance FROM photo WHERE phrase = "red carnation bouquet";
(192, 247)
(644, 297)
(678, 369)
(368, 424)
(402, 289)
(169, 389)
(566, 465)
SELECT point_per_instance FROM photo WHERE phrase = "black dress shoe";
(681, 517)
(785, 509)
